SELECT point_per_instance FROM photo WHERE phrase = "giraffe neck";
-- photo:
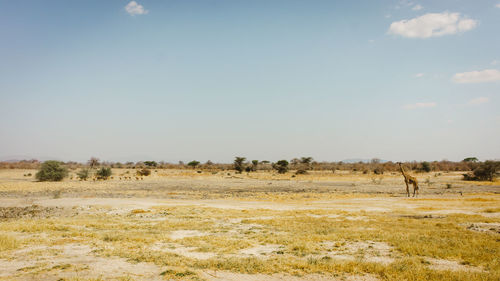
(402, 170)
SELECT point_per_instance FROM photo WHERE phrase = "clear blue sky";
(181, 80)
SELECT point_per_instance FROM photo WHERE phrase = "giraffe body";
(409, 180)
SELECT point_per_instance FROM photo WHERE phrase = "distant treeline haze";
(303, 163)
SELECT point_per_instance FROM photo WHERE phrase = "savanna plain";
(196, 225)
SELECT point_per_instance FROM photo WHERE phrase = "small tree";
(281, 166)
(471, 159)
(426, 167)
(52, 171)
(150, 163)
(104, 173)
(83, 174)
(239, 164)
(487, 171)
(255, 164)
(93, 162)
(193, 164)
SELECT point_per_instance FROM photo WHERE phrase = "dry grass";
(316, 231)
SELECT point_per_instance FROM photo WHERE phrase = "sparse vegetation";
(83, 174)
(425, 167)
(239, 164)
(104, 173)
(52, 171)
(486, 171)
(193, 164)
(150, 163)
(281, 166)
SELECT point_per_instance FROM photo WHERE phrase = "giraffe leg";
(407, 189)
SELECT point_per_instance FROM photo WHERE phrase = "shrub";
(425, 167)
(144, 172)
(150, 163)
(83, 174)
(301, 172)
(487, 171)
(239, 164)
(255, 164)
(104, 173)
(52, 171)
(281, 166)
(379, 170)
(193, 164)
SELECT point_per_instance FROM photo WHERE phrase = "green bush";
(52, 171)
(104, 173)
(239, 164)
(194, 163)
(281, 166)
(150, 163)
(426, 167)
(83, 174)
(487, 171)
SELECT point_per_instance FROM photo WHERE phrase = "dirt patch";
(439, 264)
(260, 250)
(369, 251)
(180, 234)
(188, 252)
(420, 217)
(230, 276)
(485, 227)
(33, 211)
(75, 260)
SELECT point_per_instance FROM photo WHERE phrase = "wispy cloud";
(479, 101)
(417, 7)
(133, 8)
(495, 62)
(497, 5)
(419, 75)
(432, 25)
(481, 76)
(420, 105)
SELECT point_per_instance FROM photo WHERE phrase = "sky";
(172, 80)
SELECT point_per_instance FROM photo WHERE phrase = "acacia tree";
(306, 162)
(255, 164)
(194, 163)
(239, 164)
(281, 166)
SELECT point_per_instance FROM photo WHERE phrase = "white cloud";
(420, 105)
(133, 8)
(479, 101)
(495, 62)
(497, 5)
(419, 75)
(417, 7)
(432, 25)
(481, 76)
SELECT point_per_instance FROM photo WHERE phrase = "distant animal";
(409, 180)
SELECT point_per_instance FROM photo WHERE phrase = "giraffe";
(409, 179)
